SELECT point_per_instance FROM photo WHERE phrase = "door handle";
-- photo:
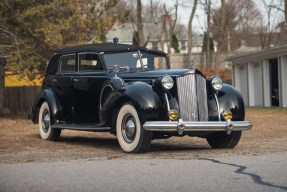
(76, 80)
(55, 80)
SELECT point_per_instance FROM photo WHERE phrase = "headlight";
(167, 82)
(216, 83)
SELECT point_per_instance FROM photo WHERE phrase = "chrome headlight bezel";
(216, 83)
(167, 82)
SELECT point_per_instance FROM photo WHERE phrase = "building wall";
(240, 81)
(284, 80)
(266, 83)
(252, 77)
(255, 84)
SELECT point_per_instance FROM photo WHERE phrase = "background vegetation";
(32, 29)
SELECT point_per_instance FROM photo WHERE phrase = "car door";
(61, 84)
(87, 85)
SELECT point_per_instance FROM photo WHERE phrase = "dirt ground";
(20, 142)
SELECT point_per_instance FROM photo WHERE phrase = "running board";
(81, 127)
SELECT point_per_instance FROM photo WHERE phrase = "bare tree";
(270, 33)
(172, 23)
(231, 22)
(152, 16)
(190, 33)
(141, 40)
(207, 5)
(221, 22)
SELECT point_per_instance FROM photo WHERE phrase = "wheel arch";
(139, 94)
(48, 96)
(229, 98)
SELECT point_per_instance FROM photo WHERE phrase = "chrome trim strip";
(196, 126)
(217, 103)
(167, 102)
(80, 127)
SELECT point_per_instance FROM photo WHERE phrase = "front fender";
(141, 95)
(229, 99)
(55, 109)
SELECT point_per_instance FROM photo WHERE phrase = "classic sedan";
(130, 91)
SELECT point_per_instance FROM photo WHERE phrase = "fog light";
(173, 114)
(227, 115)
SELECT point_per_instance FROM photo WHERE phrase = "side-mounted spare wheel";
(221, 140)
(130, 133)
(44, 121)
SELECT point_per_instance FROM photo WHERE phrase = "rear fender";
(55, 109)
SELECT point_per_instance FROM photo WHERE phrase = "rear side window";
(67, 63)
(90, 62)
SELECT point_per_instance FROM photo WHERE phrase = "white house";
(261, 76)
(125, 34)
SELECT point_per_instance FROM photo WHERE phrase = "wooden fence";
(19, 100)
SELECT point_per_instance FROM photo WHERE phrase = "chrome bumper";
(189, 126)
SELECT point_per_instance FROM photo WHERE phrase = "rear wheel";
(221, 140)
(130, 133)
(44, 121)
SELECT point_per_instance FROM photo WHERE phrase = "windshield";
(135, 61)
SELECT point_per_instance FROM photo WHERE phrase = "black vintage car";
(131, 91)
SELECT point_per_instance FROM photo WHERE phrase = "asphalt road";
(242, 173)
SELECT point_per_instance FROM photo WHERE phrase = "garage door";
(240, 72)
(258, 95)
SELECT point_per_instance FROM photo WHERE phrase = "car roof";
(105, 47)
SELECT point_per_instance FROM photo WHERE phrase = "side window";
(67, 63)
(90, 62)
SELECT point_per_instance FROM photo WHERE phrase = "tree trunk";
(188, 64)
(141, 40)
(221, 36)
(208, 65)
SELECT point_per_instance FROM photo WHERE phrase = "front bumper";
(188, 126)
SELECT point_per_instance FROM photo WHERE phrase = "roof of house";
(258, 55)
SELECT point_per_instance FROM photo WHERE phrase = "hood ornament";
(116, 70)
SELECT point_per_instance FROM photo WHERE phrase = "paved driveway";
(241, 173)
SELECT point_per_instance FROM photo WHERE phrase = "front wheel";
(44, 121)
(221, 140)
(130, 133)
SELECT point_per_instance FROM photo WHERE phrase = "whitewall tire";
(44, 122)
(130, 133)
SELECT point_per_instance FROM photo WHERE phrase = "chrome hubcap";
(129, 128)
(45, 121)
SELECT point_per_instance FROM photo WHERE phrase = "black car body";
(132, 92)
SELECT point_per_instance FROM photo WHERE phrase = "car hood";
(154, 74)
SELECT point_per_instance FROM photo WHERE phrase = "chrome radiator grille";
(191, 90)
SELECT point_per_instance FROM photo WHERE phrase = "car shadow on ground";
(110, 142)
